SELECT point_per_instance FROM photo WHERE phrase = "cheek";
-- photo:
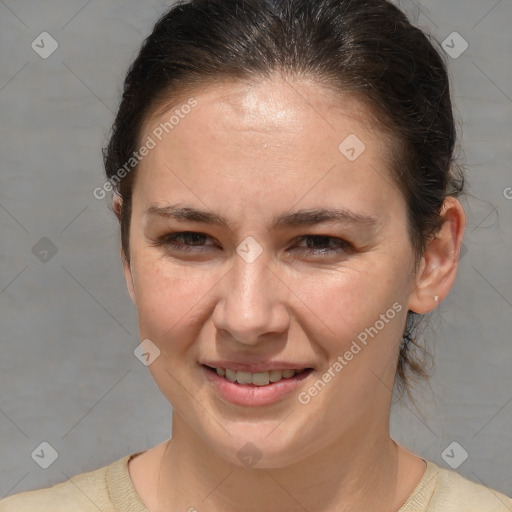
(169, 300)
(357, 316)
(344, 302)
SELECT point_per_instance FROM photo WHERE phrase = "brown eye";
(192, 241)
(315, 248)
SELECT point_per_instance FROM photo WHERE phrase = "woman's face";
(254, 293)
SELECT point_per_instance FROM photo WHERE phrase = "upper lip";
(256, 367)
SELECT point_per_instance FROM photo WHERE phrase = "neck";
(358, 472)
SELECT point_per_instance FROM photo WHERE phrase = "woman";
(287, 196)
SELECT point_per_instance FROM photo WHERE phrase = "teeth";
(258, 379)
(244, 377)
(230, 375)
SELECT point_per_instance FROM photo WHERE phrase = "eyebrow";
(305, 217)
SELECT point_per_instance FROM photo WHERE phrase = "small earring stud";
(436, 298)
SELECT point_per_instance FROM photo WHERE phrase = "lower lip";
(252, 395)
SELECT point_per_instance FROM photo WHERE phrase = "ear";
(117, 206)
(438, 267)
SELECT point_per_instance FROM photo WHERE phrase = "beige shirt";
(109, 489)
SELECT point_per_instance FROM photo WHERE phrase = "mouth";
(255, 389)
(258, 379)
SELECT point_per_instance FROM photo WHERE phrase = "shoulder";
(447, 491)
(453, 488)
(86, 492)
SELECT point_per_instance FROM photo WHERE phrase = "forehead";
(271, 104)
(270, 137)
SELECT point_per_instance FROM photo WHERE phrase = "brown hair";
(367, 48)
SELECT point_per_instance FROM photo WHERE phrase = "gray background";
(68, 375)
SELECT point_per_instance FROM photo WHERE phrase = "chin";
(260, 448)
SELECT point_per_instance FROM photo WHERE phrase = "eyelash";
(168, 240)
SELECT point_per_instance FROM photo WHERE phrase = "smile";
(254, 389)
(258, 378)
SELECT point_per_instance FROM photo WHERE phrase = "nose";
(252, 305)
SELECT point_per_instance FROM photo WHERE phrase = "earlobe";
(128, 276)
(440, 260)
(117, 205)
